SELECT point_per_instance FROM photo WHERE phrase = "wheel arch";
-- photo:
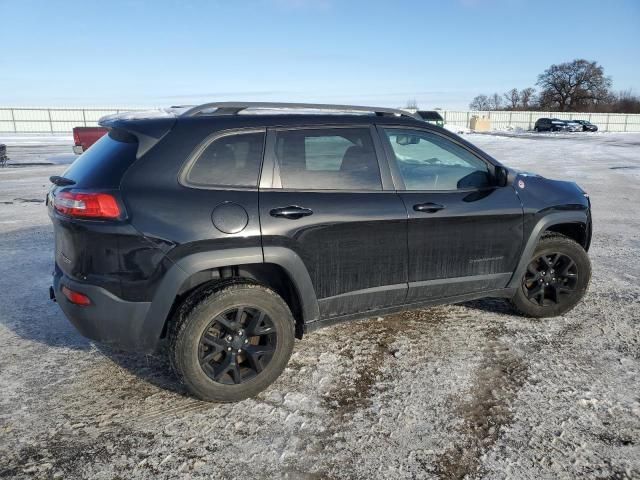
(577, 231)
(573, 224)
(278, 268)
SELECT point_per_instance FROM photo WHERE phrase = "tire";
(560, 293)
(200, 348)
(536, 129)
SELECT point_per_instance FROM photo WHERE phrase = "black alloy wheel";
(555, 279)
(237, 345)
(550, 279)
(230, 340)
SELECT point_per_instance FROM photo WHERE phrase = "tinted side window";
(327, 159)
(231, 160)
(430, 162)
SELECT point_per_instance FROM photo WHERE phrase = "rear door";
(324, 196)
(464, 233)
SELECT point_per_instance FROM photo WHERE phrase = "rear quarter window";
(104, 164)
(233, 160)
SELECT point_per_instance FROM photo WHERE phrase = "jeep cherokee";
(228, 229)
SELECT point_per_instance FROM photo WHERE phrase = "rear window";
(104, 164)
(232, 160)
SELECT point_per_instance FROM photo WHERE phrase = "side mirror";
(502, 176)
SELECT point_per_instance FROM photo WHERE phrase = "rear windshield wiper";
(61, 181)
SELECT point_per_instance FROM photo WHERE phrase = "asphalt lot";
(460, 391)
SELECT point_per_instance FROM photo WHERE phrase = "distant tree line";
(577, 86)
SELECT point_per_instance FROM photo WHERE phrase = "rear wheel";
(233, 343)
(556, 278)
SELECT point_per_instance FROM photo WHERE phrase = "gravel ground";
(466, 391)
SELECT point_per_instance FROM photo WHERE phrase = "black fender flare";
(189, 265)
(555, 218)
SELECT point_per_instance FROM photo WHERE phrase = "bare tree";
(412, 104)
(573, 85)
(495, 102)
(627, 102)
(526, 97)
(480, 102)
(513, 98)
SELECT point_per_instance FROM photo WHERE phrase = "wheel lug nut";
(229, 349)
(246, 340)
(229, 338)
(239, 351)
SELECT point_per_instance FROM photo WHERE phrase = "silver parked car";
(573, 126)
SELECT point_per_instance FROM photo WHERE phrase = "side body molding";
(555, 218)
(180, 272)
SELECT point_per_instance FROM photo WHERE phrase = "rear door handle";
(428, 207)
(292, 212)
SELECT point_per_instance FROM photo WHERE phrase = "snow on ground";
(36, 148)
(467, 391)
(459, 129)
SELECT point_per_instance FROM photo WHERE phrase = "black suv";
(228, 229)
(550, 125)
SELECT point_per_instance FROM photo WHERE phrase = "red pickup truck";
(84, 137)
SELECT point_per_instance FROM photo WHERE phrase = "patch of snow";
(143, 114)
(15, 139)
(458, 129)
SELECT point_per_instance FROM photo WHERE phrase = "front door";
(329, 203)
(464, 233)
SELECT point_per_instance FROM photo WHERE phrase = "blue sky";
(441, 53)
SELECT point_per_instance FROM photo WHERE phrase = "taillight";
(87, 205)
(76, 298)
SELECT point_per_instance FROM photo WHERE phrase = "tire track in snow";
(500, 376)
(354, 392)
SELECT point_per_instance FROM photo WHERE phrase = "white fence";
(502, 120)
(62, 120)
(51, 120)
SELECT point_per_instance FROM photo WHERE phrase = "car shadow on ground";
(154, 368)
(28, 312)
(492, 305)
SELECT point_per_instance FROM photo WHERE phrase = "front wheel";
(231, 342)
(556, 278)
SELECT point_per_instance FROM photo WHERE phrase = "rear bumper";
(108, 319)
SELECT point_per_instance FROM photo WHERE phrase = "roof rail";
(233, 108)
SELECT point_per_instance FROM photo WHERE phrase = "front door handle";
(292, 212)
(428, 207)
